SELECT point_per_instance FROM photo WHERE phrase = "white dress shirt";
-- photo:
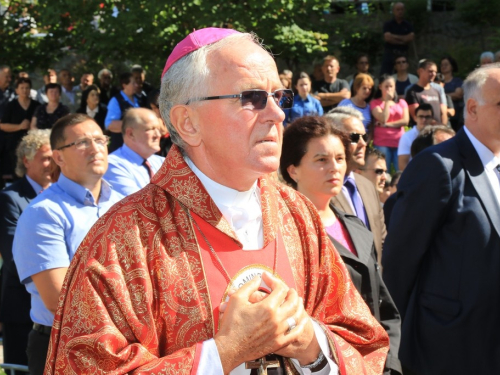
(243, 211)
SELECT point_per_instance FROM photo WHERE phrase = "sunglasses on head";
(356, 136)
(256, 99)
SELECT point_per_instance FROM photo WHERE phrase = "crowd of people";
(246, 223)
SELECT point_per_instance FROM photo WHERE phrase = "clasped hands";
(253, 324)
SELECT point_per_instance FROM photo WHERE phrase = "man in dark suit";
(442, 255)
(33, 165)
(359, 196)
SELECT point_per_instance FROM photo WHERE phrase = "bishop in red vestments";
(169, 276)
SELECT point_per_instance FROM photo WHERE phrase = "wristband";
(321, 360)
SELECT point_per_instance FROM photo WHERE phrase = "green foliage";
(112, 33)
(480, 12)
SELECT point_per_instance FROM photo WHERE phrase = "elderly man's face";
(398, 10)
(235, 138)
(358, 149)
(38, 169)
(487, 115)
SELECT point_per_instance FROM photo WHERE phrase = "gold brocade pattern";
(135, 299)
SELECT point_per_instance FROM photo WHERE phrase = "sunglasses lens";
(365, 137)
(254, 98)
(284, 98)
(354, 137)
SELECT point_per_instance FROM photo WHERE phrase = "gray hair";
(103, 71)
(29, 146)
(473, 84)
(339, 114)
(487, 55)
(188, 78)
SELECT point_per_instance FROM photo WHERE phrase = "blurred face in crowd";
(229, 135)
(53, 95)
(485, 61)
(145, 137)
(38, 169)
(318, 72)
(358, 149)
(428, 73)
(388, 88)
(303, 87)
(322, 169)
(424, 118)
(93, 99)
(399, 11)
(23, 90)
(364, 91)
(86, 80)
(105, 80)
(330, 69)
(5, 78)
(401, 65)
(363, 64)
(65, 78)
(82, 165)
(375, 170)
(139, 79)
(130, 88)
(446, 66)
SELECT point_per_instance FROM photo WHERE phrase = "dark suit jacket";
(16, 301)
(365, 274)
(373, 209)
(442, 262)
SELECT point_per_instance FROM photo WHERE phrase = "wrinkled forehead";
(245, 59)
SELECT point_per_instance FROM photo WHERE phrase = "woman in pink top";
(390, 117)
(314, 161)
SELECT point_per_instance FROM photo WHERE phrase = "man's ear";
(292, 171)
(129, 132)
(184, 120)
(58, 157)
(471, 106)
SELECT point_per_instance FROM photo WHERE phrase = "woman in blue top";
(304, 104)
(361, 93)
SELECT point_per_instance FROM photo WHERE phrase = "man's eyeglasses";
(256, 99)
(356, 136)
(378, 171)
(85, 143)
(424, 117)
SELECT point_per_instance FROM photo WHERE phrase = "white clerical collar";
(241, 209)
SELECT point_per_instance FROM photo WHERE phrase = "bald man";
(133, 164)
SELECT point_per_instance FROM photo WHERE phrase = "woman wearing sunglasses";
(390, 117)
(314, 161)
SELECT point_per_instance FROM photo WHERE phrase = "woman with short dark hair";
(90, 105)
(46, 115)
(314, 162)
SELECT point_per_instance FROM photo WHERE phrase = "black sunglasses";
(257, 99)
(356, 136)
(378, 171)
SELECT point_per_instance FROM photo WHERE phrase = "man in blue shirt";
(117, 106)
(132, 165)
(52, 227)
(33, 166)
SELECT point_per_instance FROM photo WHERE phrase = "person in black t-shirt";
(423, 92)
(398, 33)
(331, 90)
(14, 125)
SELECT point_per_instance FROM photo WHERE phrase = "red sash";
(234, 259)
